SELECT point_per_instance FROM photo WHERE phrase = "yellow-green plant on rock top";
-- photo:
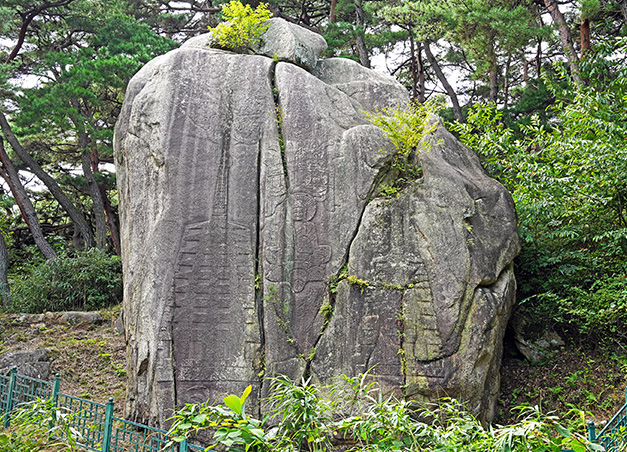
(406, 126)
(242, 26)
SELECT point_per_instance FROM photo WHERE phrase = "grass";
(90, 359)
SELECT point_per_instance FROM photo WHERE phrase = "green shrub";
(242, 26)
(568, 179)
(406, 127)
(90, 280)
(355, 417)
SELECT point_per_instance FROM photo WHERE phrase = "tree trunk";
(493, 75)
(506, 84)
(4, 272)
(494, 84)
(111, 222)
(108, 209)
(77, 218)
(92, 185)
(414, 67)
(422, 92)
(10, 175)
(332, 16)
(457, 111)
(98, 206)
(567, 41)
(360, 41)
(539, 58)
(525, 70)
(584, 34)
(623, 9)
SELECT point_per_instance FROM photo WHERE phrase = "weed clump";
(242, 26)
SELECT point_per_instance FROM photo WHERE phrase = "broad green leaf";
(257, 432)
(247, 391)
(562, 431)
(234, 403)
(200, 418)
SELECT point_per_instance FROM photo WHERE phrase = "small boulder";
(32, 363)
(292, 43)
(73, 317)
(373, 90)
(29, 319)
(204, 41)
(535, 342)
(118, 323)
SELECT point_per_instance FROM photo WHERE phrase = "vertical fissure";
(400, 322)
(279, 122)
(342, 273)
(259, 283)
(271, 298)
(173, 363)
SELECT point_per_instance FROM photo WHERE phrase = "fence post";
(108, 425)
(55, 396)
(9, 405)
(55, 388)
(591, 433)
(184, 447)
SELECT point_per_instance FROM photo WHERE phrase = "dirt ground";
(580, 377)
(90, 358)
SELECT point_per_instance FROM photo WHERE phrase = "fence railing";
(614, 434)
(99, 430)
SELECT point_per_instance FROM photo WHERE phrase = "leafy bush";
(569, 182)
(90, 280)
(39, 426)
(356, 417)
(242, 26)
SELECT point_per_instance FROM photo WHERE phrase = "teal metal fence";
(614, 435)
(99, 430)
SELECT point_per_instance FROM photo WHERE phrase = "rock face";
(32, 363)
(289, 42)
(247, 195)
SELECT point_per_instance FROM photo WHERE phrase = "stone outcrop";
(536, 342)
(286, 41)
(435, 284)
(247, 196)
(31, 363)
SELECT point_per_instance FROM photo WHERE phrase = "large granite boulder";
(247, 195)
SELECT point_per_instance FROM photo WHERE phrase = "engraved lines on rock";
(345, 259)
(213, 262)
(183, 147)
(307, 253)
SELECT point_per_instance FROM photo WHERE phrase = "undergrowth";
(354, 415)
